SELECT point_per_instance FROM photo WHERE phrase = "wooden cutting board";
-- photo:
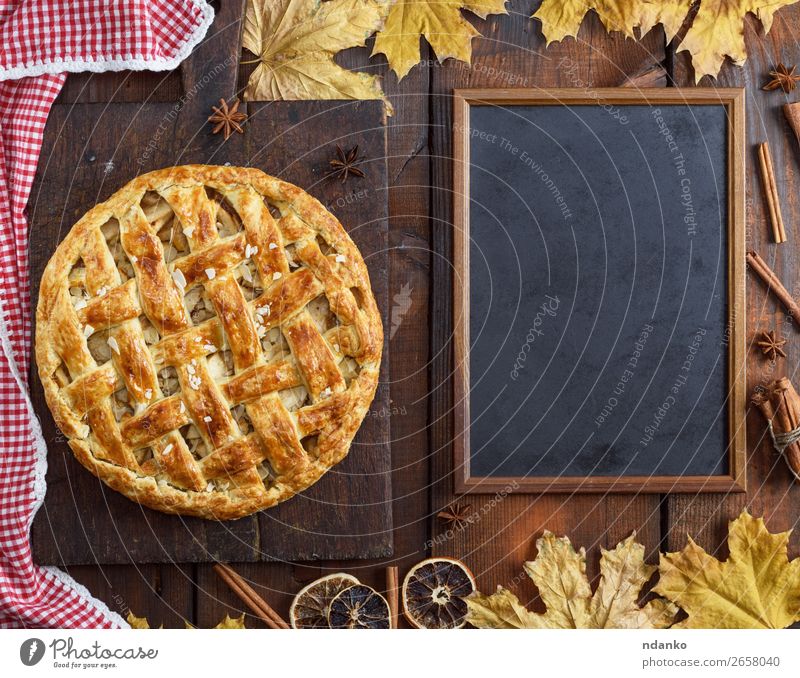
(90, 151)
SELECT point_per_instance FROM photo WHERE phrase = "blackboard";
(599, 290)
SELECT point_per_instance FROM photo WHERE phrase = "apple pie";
(208, 340)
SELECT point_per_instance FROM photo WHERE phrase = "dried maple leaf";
(138, 622)
(559, 573)
(295, 42)
(226, 623)
(441, 23)
(230, 623)
(755, 588)
(501, 610)
(716, 31)
(562, 18)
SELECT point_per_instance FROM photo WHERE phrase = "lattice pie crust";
(208, 340)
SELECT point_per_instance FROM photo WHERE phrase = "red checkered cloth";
(41, 42)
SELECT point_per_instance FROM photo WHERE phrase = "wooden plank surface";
(409, 253)
(347, 514)
(166, 593)
(771, 490)
(497, 543)
(506, 526)
(90, 150)
(407, 158)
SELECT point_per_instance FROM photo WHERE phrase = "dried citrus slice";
(434, 592)
(310, 606)
(359, 607)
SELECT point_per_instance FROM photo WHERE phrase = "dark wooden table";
(511, 53)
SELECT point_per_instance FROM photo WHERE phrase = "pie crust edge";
(166, 497)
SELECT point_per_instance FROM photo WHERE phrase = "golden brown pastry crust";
(225, 483)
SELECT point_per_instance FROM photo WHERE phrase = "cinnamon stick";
(762, 402)
(780, 404)
(782, 417)
(771, 193)
(792, 113)
(249, 597)
(790, 402)
(760, 268)
(392, 595)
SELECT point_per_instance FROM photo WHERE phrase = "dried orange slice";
(434, 592)
(359, 607)
(309, 609)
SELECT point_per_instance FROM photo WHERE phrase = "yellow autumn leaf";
(138, 622)
(501, 610)
(755, 588)
(229, 623)
(226, 623)
(716, 31)
(559, 573)
(295, 42)
(563, 18)
(442, 24)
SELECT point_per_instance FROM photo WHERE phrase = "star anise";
(456, 516)
(345, 164)
(782, 77)
(227, 119)
(771, 345)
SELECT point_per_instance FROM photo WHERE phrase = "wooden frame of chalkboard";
(733, 100)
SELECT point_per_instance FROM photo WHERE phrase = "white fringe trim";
(99, 64)
(39, 485)
(40, 447)
(83, 592)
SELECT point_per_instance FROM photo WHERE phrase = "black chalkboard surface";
(600, 343)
